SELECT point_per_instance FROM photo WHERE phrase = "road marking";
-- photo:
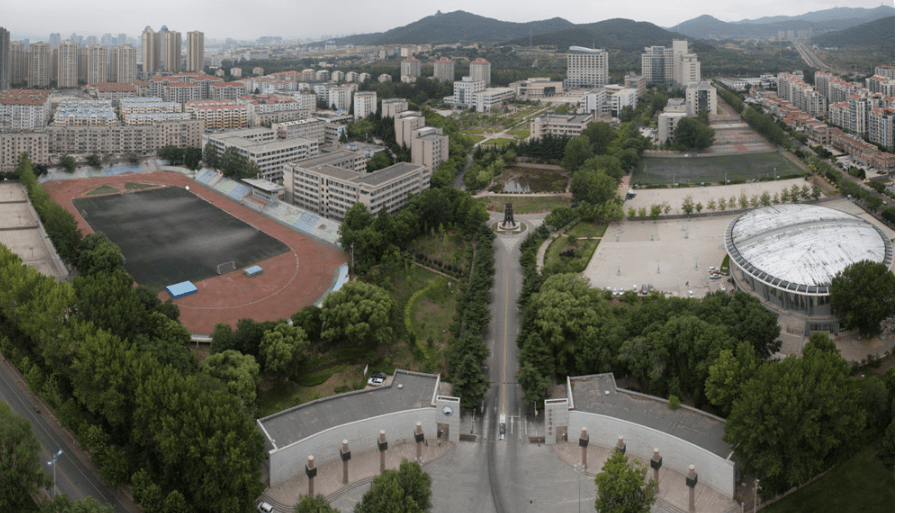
(509, 243)
(505, 338)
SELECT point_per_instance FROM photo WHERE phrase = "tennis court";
(168, 235)
(716, 169)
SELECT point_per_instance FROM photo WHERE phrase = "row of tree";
(111, 359)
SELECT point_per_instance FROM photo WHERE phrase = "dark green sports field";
(168, 235)
(664, 170)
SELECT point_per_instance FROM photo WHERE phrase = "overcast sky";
(311, 19)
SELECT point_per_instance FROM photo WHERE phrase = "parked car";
(645, 289)
(691, 294)
(635, 288)
(651, 288)
(264, 507)
(376, 382)
(379, 374)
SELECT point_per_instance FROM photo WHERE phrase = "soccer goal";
(226, 267)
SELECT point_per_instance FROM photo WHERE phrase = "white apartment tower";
(444, 69)
(150, 54)
(123, 64)
(410, 67)
(364, 103)
(586, 67)
(97, 64)
(39, 63)
(67, 74)
(195, 50)
(172, 53)
(480, 69)
(17, 67)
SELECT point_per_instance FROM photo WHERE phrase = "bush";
(674, 402)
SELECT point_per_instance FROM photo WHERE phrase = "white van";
(264, 507)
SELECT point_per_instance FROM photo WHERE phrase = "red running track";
(289, 281)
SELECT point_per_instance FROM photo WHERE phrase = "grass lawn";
(520, 134)
(665, 170)
(474, 139)
(588, 229)
(450, 248)
(132, 186)
(525, 204)
(582, 253)
(861, 483)
(103, 189)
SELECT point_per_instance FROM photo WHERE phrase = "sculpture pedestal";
(508, 227)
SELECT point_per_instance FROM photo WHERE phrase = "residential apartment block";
(480, 69)
(24, 109)
(390, 107)
(13, 144)
(410, 67)
(364, 103)
(39, 62)
(67, 65)
(195, 49)
(444, 69)
(430, 147)
(121, 139)
(309, 128)
(405, 125)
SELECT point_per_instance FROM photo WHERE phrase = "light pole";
(352, 256)
(52, 463)
(757, 487)
(580, 470)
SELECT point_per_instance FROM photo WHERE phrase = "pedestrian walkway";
(363, 467)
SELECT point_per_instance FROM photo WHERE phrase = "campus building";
(430, 147)
(261, 145)
(390, 107)
(364, 103)
(568, 125)
(329, 190)
(536, 88)
(586, 68)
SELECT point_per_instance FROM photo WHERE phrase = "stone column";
(345, 455)
(691, 481)
(382, 447)
(419, 441)
(584, 443)
(621, 446)
(311, 472)
(656, 467)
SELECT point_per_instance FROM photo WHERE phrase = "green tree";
(96, 253)
(210, 155)
(691, 134)
(794, 418)
(380, 160)
(309, 319)
(622, 486)
(358, 313)
(283, 349)
(468, 381)
(577, 151)
(863, 294)
(61, 503)
(728, 373)
(317, 504)
(22, 475)
(67, 163)
(593, 186)
(240, 372)
(406, 490)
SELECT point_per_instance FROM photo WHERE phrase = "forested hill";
(879, 33)
(618, 34)
(457, 27)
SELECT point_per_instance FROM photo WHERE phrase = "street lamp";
(52, 463)
(352, 256)
(757, 487)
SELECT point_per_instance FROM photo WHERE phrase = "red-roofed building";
(24, 109)
(182, 92)
(115, 90)
(226, 90)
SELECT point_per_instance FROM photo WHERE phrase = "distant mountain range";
(840, 18)
(465, 28)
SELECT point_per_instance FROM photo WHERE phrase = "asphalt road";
(507, 485)
(74, 477)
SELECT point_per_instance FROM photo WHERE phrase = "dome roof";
(802, 247)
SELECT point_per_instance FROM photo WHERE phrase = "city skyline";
(218, 20)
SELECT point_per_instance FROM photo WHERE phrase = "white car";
(691, 294)
(264, 507)
(376, 382)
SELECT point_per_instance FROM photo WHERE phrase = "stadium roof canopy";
(801, 248)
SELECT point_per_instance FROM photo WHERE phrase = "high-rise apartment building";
(17, 64)
(480, 69)
(67, 74)
(673, 66)
(410, 67)
(195, 50)
(149, 50)
(586, 67)
(39, 63)
(123, 64)
(97, 64)
(444, 69)
(171, 57)
(364, 103)
(55, 40)
(5, 64)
